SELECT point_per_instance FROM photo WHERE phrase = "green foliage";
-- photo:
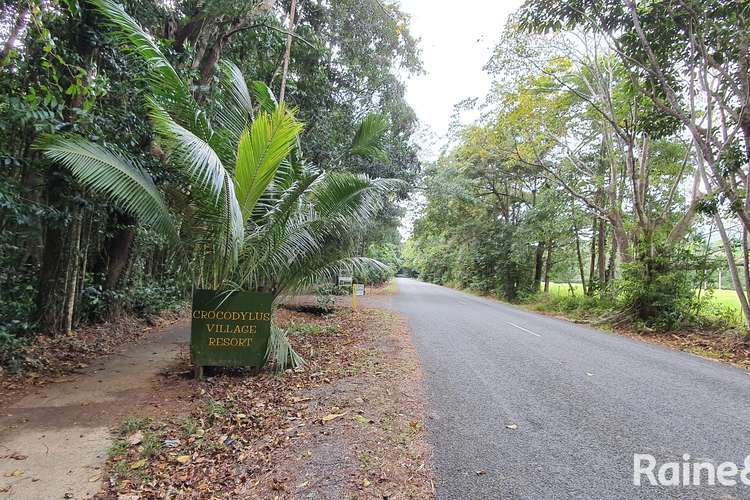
(658, 294)
(11, 348)
(389, 254)
(464, 240)
(576, 305)
(368, 141)
(143, 299)
(149, 131)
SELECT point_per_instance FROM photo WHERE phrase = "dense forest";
(150, 148)
(611, 154)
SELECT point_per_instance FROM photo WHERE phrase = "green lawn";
(564, 289)
(727, 298)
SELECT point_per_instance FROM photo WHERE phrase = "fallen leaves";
(416, 425)
(244, 427)
(332, 416)
(138, 464)
(15, 473)
(135, 438)
(362, 420)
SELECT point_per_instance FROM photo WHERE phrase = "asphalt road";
(584, 401)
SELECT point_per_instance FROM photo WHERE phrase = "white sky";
(457, 39)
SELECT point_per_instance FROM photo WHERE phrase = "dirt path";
(53, 442)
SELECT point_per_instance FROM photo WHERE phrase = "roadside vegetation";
(607, 176)
(150, 149)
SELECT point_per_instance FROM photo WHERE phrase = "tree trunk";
(621, 236)
(117, 249)
(727, 244)
(548, 267)
(592, 259)
(72, 266)
(602, 256)
(612, 266)
(580, 261)
(18, 27)
(745, 233)
(51, 285)
(52, 291)
(209, 60)
(85, 244)
(538, 265)
(288, 51)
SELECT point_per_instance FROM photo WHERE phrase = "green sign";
(230, 328)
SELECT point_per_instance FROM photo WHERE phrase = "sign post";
(358, 290)
(229, 329)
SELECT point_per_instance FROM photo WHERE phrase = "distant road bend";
(526, 406)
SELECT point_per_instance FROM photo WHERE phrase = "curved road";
(526, 406)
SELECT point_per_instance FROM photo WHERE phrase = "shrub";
(658, 293)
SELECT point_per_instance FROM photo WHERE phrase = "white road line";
(524, 329)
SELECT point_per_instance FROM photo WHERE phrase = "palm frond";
(261, 150)
(264, 95)
(280, 352)
(218, 233)
(368, 141)
(112, 173)
(355, 197)
(273, 252)
(293, 176)
(191, 152)
(234, 104)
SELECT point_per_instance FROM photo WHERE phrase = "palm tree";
(264, 219)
